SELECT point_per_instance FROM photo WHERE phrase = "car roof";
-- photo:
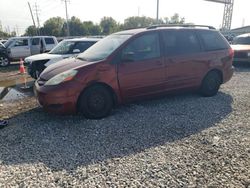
(83, 39)
(26, 37)
(151, 28)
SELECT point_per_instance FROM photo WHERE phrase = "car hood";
(62, 66)
(44, 56)
(239, 47)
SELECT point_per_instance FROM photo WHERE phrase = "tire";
(4, 61)
(210, 84)
(96, 102)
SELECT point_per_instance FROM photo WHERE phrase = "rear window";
(49, 41)
(213, 41)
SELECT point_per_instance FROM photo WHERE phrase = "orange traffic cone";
(21, 68)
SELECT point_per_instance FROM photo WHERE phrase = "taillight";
(231, 53)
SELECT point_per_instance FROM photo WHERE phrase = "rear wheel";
(4, 61)
(211, 84)
(96, 102)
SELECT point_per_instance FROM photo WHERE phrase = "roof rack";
(179, 25)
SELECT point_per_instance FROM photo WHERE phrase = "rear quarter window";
(212, 40)
(49, 40)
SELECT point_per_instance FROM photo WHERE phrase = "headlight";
(62, 77)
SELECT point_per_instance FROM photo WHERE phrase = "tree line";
(57, 26)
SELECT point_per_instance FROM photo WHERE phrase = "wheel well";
(110, 89)
(219, 72)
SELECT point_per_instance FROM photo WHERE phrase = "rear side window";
(49, 41)
(213, 41)
(82, 46)
(180, 42)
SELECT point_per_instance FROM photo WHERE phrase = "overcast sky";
(15, 13)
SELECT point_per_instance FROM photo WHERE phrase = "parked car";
(21, 47)
(4, 60)
(136, 64)
(65, 49)
(241, 47)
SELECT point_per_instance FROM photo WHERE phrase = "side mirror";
(128, 57)
(76, 51)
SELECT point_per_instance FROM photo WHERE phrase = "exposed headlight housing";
(62, 77)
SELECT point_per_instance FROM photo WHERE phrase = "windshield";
(8, 43)
(63, 47)
(103, 48)
(241, 40)
(1, 45)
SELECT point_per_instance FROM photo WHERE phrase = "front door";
(141, 71)
(20, 49)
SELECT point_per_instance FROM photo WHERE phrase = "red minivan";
(135, 64)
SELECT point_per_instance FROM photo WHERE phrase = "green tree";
(137, 22)
(53, 26)
(108, 25)
(4, 34)
(175, 19)
(31, 31)
(76, 27)
(92, 29)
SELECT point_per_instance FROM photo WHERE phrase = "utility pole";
(37, 17)
(67, 17)
(157, 12)
(32, 17)
(17, 33)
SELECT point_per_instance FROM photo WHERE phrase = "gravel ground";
(177, 141)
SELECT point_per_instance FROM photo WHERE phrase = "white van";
(21, 47)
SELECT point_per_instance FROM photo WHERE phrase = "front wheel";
(210, 84)
(4, 61)
(96, 102)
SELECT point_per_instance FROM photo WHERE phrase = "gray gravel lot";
(176, 141)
